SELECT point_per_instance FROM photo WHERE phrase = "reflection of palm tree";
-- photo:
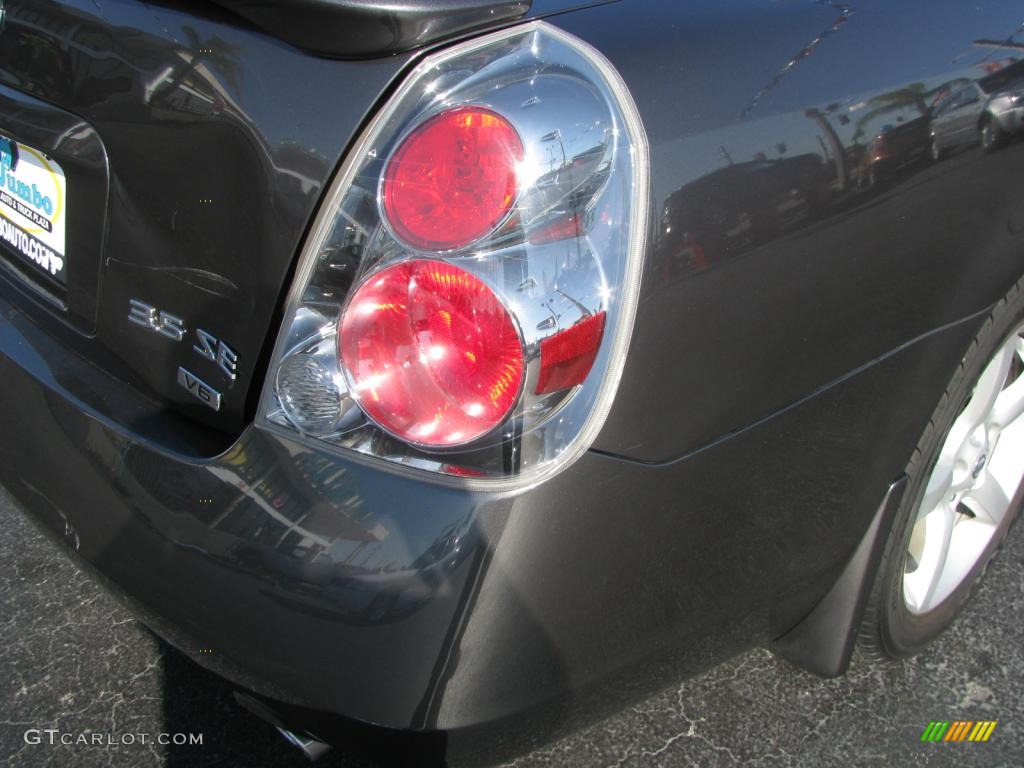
(221, 56)
(914, 95)
(838, 154)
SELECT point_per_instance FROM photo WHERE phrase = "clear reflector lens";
(308, 394)
(433, 356)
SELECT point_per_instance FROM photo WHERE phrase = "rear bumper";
(339, 588)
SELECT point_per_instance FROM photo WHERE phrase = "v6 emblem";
(199, 389)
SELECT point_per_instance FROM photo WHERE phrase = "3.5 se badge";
(207, 345)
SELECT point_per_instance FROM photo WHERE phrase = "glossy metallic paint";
(787, 355)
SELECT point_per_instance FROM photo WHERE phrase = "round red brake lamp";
(453, 179)
(432, 355)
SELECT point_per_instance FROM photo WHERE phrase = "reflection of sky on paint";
(886, 40)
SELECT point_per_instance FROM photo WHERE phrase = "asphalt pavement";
(72, 660)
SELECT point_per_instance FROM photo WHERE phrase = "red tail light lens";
(434, 357)
(453, 179)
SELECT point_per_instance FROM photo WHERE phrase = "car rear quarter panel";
(782, 368)
(738, 324)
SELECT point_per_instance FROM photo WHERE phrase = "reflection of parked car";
(985, 111)
(810, 175)
(893, 146)
(743, 204)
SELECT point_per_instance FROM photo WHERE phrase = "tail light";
(465, 298)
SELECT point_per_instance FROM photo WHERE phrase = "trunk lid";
(190, 152)
(361, 29)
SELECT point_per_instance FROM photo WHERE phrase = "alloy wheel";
(971, 488)
(989, 136)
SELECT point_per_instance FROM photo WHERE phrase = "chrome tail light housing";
(465, 298)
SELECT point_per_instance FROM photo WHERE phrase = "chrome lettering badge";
(150, 317)
(212, 348)
(173, 327)
(199, 388)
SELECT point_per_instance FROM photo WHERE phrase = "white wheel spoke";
(940, 527)
(938, 534)
(989, 386)
(940, 486)
(1009, 405)
(988, 499)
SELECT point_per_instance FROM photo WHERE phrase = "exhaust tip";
(310, 747)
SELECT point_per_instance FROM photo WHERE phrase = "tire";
(905, 612)
(990, 134)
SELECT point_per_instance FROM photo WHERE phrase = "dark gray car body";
(773, 393)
